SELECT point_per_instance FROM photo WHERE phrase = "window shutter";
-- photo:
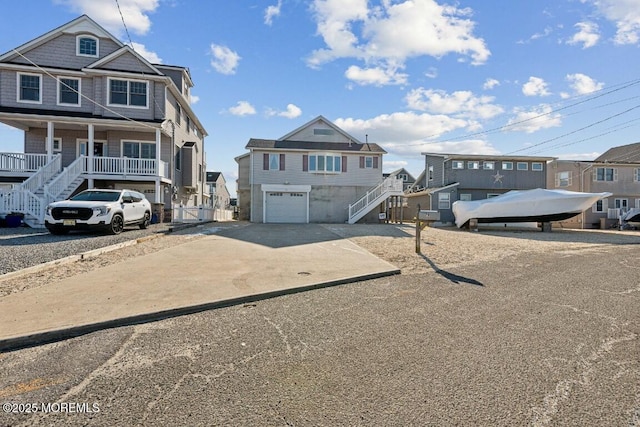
(375, 162)
(305, 163)
(281, 162)
(361, 162)
(615, 174)
(265, 161)
(344, 163)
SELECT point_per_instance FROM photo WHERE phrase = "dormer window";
(87, 46)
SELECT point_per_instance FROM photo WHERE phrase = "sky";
(557, 78)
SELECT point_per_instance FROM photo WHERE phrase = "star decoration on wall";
(497, 178)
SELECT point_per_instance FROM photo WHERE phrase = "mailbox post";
(424, 218)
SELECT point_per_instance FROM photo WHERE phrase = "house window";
(274, 162)
(87, 46)
(537, 166)
(30, 88)
(523, 166)
(325, 163)
(444, 200)
(325, 132)
(507, 166)
(465, 197)
(473, 165)
(368, 162)
(457, 164)
(563, 179)
(57, 145)
(131, 93)
(600, 206)
(68, 91)
(139, 150)
(622, 204)
(430, 174)
(178, 158)
(178, 114)
(405, 178)
(606, 174)
(488, 165)
(187, 122)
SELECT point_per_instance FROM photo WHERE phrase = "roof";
(399, 171)
(326, 122)
(453, 156)
(212, 176)
(272, 144)
(623, 154)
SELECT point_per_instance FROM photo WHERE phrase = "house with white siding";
(316, 173)
(96, 114)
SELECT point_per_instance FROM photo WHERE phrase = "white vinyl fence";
(183, 214)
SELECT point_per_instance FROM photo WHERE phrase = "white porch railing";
(23, 201)
(22, 162)
(36, 181)
(126, 166)
(389, 187)
(61, 183)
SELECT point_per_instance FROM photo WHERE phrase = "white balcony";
(21, 164)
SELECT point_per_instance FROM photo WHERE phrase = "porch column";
(158, 189)
(159, 171)
(90, 148)
(49, 142)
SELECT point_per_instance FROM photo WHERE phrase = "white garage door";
(286, 207)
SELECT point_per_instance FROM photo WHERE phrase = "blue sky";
(546, 77)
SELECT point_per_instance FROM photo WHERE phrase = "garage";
(286, 203)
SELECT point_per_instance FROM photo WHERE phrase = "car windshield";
(97, 196)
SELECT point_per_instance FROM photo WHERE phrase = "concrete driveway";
(229, 266)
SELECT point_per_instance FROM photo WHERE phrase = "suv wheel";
(145, 221)
(117, 224)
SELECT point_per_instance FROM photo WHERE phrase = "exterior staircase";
(389, 187)
(48, 184)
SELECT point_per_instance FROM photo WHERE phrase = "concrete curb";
(39, 338)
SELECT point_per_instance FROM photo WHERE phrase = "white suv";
(109, 210)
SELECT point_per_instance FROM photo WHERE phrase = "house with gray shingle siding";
(316, 173)
(96, 114)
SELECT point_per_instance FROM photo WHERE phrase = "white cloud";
(105, 13)
(587, 35)
(547, 31)
(375, 76)
(401, 127)
(583, 84)
(194, 99)
(393, 32)
(291, 112)
(393, 165)
(626, 15)
(490, 84)
(242, 108)
(271, 12)
(432, 73)
(225, 61)
(540, 117)
(462, 104)
(415, 148)
(146, 54)
(535, 87)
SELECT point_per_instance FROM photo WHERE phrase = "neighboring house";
(451, 177)
(220, 197)
(617, 171)
(403, 175)
(316, 173)
(97, 114)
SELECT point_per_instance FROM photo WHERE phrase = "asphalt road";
(549, 341)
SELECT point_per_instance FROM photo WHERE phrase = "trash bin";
(13, 220)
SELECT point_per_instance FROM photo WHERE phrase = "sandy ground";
(441, 248)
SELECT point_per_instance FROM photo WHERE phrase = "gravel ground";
(25, 247)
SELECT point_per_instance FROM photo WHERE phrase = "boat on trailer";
(632, 218)
(538, 205)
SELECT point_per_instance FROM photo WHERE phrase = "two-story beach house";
(616, 171)
(95, 113)
(451, 177)
(316, 173)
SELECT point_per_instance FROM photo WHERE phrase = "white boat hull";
(537, 205)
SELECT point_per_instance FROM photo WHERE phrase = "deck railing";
(22, 162)
(60, 183)
(126, 166)
(37, 181)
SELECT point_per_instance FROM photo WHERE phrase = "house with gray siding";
(616, 171)
(451, 177)
(96, 114)
(316, 173)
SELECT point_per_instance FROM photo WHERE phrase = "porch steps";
(389, 187)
